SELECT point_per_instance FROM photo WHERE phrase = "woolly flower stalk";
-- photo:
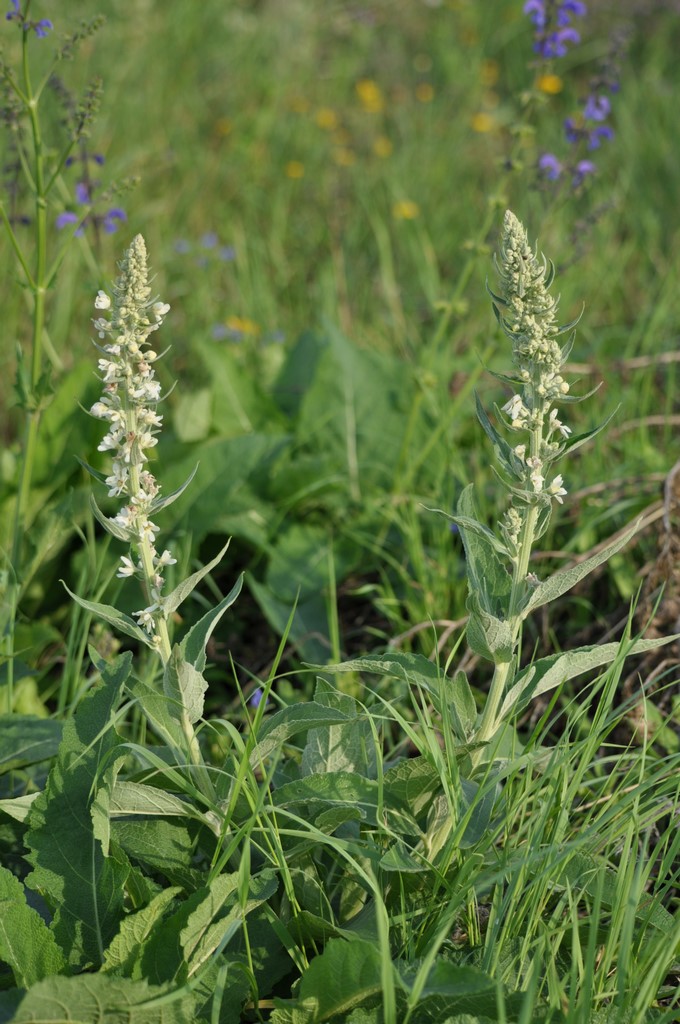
(128, 403)
(528, 314)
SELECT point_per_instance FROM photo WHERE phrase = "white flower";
(127, 568)
(556, 490)
(165, 559)
(146, 619)
(102, 301)
(160, 309)
(520, 451)
(555, 424)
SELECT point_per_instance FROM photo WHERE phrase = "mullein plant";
(126, 323)
(532, 436)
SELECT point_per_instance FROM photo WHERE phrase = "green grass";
(321, 206)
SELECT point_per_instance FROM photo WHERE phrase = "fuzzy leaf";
(413, 669)
(184, 686)
(487, 576)
(194, 643)
(343, 976)
(504, 452)
(290, 722)
(563, 580)
(220, 915)
(487, 635)
(26, 943)
(134, 798)
(158, 503)
(546, 673)
(159, 713)
(482, 531)
(19, 807)
(331, 789)
(182, 591)
(83, 887)
(119, 532)
(344, 747)
(101, 999)
(572, 443)
(122, 956)
(27, 739)
(123, 623)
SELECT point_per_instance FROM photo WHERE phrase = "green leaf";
(560, 582)
(181, 592)
(136, 799)
(472, 526)
(331, 789)
(574, 442)
(502, 449)
(159, 713)
(123, 955)
(488, 636)
(158, 503)
(413, 783)
(214, 922)
(119, 532)
(346, 747)
(462, 706)
(27, 739)
(83, 887)
(546, 673)
(194, 643)
(414, 669)
(344, 976)
(165, 847)
(102, 999)
(123, 623)
(290, 722)
(488, 578)
(26, 943)
(184, 686)
(19, 807)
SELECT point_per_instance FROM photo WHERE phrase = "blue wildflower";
(550, 166)
(41, 28)
(256, 698)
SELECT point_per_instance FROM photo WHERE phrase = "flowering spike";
(131, 395)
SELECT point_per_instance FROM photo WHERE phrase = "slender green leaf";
(565, 579)
(119, 532)
(546, 673)
(182, 591)
(158, 503)
(194, 643)
(290, 722)
(117, 619)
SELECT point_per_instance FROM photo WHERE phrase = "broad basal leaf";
(26, 943)
(83, 887)
(101, 999)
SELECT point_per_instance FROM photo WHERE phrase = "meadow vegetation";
(340, 580)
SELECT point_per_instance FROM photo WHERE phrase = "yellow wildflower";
(424, 92)
(295, 169)
(551, 84)
(370, 96)
(344, 157)
(382, 146)
(482, 122)
(405, 209)
(489, 72)
(242, 325)
(326, 118)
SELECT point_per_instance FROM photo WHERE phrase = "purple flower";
(550, 166)
(41, 28)
(569, 7)
(603, 131)
(597, 108)
(227, 253)
(110, 220)
(256, 698)
(581, 171)
(209, 240)
(112, 217)
(536, 11)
